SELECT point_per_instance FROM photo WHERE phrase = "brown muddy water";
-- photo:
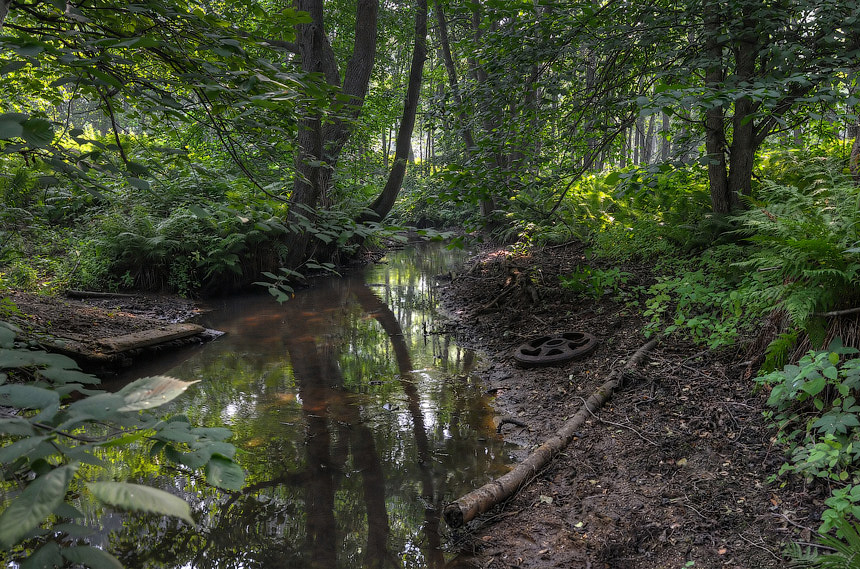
(356, 417)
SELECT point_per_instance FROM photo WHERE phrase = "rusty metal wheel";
(555, 349)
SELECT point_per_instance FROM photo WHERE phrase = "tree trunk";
(744, 144)
(854, 159)
(319, 144)
(665, 145)
(4, 10)
(453, 82)
(715, 141)
(384, 202)
(648, 151)
(622, 160)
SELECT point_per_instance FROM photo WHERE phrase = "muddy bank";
(105, 332)
(673, 470)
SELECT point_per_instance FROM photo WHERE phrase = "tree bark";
(479, 501)
(320, 144)
(854, 159)
(454, 83)
(4, 10)
(385, 200)
(665, 144)
(715, 141)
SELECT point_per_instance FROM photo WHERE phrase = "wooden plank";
(144, 338)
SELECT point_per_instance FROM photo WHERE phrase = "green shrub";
(817, 414)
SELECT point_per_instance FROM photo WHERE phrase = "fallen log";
(478, 501)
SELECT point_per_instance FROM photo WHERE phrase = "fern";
(844, 550)
(803, 237)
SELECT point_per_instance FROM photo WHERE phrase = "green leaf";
(16, 426)
(64, 376)
(74, 530)
(46, 557)
(96, 407)
(137, 498)
(27, 397)
(139, 184)
(12, 66)
(214, 433)
(39, 499)
(225, 473)
(10, 127)
(66, 510)
(815, 386)
(150, 392)
(137, 169)
(38, 132)
(19, 448)
(92, 557)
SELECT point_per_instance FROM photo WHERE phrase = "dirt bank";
(672, 473)
(104, 332)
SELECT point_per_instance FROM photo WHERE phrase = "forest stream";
(357, 418)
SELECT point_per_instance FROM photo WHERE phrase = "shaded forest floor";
(672, 472)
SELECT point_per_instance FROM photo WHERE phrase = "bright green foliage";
(53, 450)
(817, 412)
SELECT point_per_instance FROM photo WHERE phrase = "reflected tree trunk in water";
(320, 383)
(387, 319)
(321, 524)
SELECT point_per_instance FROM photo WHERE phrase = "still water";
(356, 420)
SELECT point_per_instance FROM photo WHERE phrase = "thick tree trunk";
(4, 10)
(384, 202)
(742, 153)
(319, 144)
(744, 144)
(715, 138)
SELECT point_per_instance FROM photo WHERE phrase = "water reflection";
(356, 422)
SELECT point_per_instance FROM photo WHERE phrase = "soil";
(673, 472)
(79, 326)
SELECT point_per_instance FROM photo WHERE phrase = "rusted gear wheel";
(555, 349)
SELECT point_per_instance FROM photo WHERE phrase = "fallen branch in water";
(478, 501)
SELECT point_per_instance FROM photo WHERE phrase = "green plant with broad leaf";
(816, 410)
(55, 425)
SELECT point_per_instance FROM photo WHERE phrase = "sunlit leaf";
(40, 498)
(137, 498)
(150, 392)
